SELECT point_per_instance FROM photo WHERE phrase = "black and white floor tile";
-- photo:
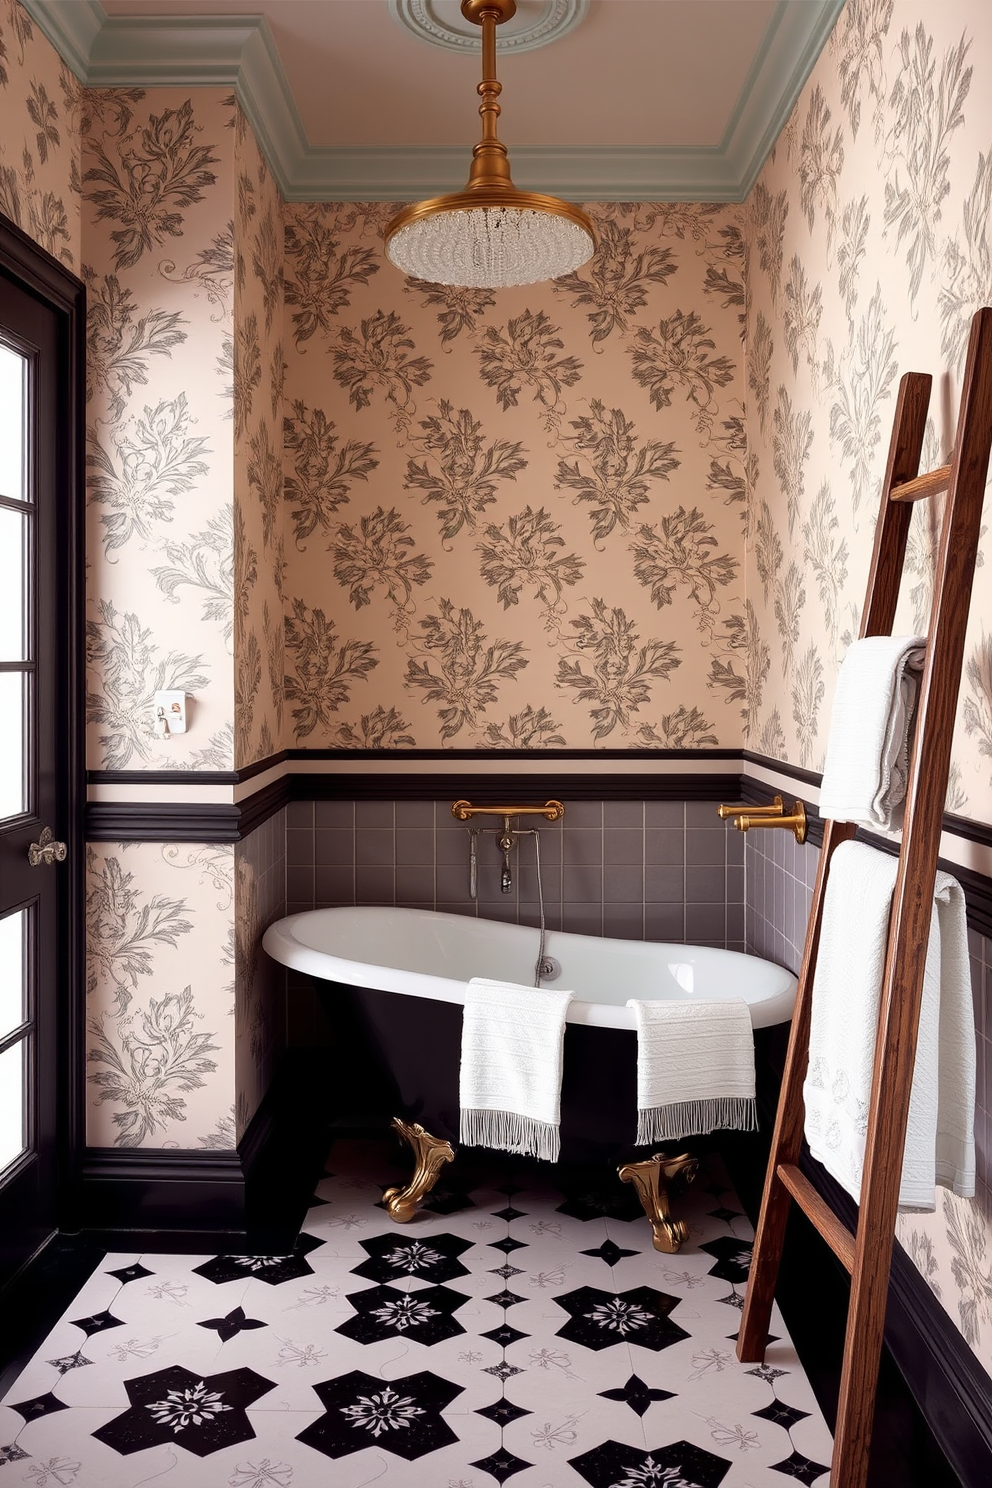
(512, 1333)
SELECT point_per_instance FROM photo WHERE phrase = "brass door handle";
(46, 850)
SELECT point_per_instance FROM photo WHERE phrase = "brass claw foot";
(431, 1153)
(650, 1179)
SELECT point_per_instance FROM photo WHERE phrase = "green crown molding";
(72, 29)
(238, 52)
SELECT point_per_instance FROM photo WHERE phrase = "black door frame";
(37, 273)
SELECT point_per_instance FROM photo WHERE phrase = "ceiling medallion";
(536, 23)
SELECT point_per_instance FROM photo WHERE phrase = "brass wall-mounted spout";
(775, 809)
(795, 822)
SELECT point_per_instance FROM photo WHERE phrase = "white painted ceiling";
(633, 72)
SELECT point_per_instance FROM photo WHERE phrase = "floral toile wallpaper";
(868, 237)
(514, 518)
(41, 104)
(160, 995)
(158, 260)
(258, 525)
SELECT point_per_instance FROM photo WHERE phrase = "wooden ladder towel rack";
(867, 1253)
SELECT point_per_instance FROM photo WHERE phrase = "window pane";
(13, 728)
(12, 1123)
(13, 977)
(13, 384)
(13, 535)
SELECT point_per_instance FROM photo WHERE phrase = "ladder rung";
(819, 1213)
(921, 486)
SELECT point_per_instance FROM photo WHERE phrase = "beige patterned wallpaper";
(42, 111)
(869, 250)
(258, 498)
(514, 519)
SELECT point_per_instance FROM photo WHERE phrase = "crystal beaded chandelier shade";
(489, 236)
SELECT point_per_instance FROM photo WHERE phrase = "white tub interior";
(425, 953)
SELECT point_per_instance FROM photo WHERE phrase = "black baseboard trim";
(944, 1377)
(251, 1200)
(148, 1191)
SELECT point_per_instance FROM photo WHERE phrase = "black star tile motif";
(271, 1269)
(502, 1465)
(767, 1373)
(725, 1214)
(393, 1255)
(504, 1335)
(507, 1244)
(798, 1466)
(99, 1322)
(781, 1414)
(131, 1273)
(733, 1257)
(599, 1319)
(12, 1453)
(609, 1252)
(69, 1361)
(509, 1213)
(503, 1412)
(386, 1312)
(202, 1413)
(402, 1417)
(769, 1338)
(679, 1462)
(506, 1271)
(234, 1323)
(637, 1394)
(733, 1300)
(593, 1202)
(505, 1298)
(503, 1371)
(39, 1405)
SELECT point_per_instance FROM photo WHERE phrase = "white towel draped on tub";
(940, 1140)
(510, 1084)
(867, 763)
(695, 1068)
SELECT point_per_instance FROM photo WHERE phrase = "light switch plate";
(171, 706)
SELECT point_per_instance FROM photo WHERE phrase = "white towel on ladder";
(940, 1136)
(867, 762)
(511, 1067)
(695, 1068)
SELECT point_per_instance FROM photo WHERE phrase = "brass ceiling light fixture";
(489, 236)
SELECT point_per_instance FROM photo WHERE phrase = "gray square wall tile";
(623, 814)
(703, 814)
(703, 846)
(623, 884)
(623, 845)
(417, 813)
(374, 814)
(583, 814)
(332, 813)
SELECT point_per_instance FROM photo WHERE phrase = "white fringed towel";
(940, 1135)
(695, 1068)
(867, 763)
(510, 1083)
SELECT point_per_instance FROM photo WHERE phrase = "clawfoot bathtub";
(393, 982)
